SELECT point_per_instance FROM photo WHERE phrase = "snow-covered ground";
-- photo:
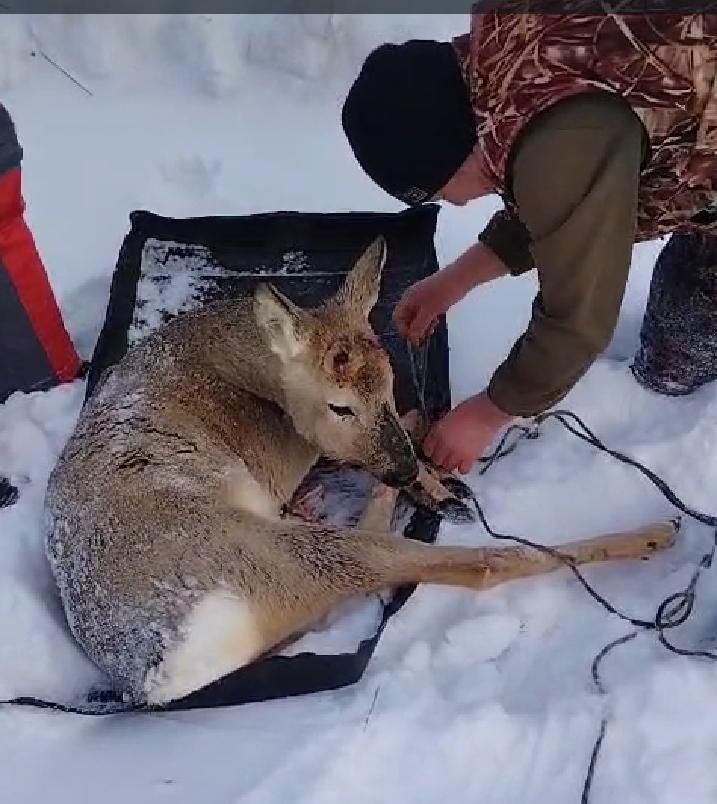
(472, 697)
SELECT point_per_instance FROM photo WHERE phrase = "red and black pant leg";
(36, 351)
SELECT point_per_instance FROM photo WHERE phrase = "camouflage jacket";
(664, 65)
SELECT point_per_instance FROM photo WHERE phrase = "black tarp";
(306, 256)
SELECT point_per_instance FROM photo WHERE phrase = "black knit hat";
(408, 118)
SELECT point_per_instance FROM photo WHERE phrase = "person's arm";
(420, 307)
(477, 265)
(575, 179)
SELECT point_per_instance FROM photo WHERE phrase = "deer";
(168, 521)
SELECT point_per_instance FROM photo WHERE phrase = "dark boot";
(8, 493)
(678, 339)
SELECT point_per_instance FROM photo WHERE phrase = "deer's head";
(336, 378)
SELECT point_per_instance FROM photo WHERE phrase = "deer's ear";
(284, 324)
(361, 287)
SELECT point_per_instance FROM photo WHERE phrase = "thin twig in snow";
(64, 72)
(372, 707)
(51, 61)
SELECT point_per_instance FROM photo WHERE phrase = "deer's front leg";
(378, 514)
(434, 488)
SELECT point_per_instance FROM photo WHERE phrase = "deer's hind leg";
(276, 598)
(293, 575)
(328, 567)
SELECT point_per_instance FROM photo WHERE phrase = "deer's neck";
(233, 347)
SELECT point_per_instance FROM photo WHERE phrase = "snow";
(470, 696)
(170, 283)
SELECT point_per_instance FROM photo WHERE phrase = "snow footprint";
(479, 639)
(466, 672)
(194, 175)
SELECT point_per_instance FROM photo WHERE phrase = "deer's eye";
(342, 411)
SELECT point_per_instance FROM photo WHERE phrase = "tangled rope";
(671, 613)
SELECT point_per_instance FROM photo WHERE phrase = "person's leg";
(36, 352)
(678, 339)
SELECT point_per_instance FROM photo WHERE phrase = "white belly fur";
(244, 492)
(220, 635)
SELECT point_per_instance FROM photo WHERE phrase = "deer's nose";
(397, 447)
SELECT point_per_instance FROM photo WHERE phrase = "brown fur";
(163, 514)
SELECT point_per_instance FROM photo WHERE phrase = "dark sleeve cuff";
(510, 241)
(509, 397)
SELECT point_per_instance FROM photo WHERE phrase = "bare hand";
(461, 437)
(417, 314)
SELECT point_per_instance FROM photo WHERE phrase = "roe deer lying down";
(164, 521)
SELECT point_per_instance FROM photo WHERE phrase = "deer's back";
(137, 523)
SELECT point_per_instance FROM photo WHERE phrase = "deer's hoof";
(455, 510)
(457, 487)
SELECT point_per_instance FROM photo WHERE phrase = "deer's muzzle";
(401, 465)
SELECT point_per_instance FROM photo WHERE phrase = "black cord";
(572, 422)
(569, 563)
(501, 450)
(585, 797)
(671, 613)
